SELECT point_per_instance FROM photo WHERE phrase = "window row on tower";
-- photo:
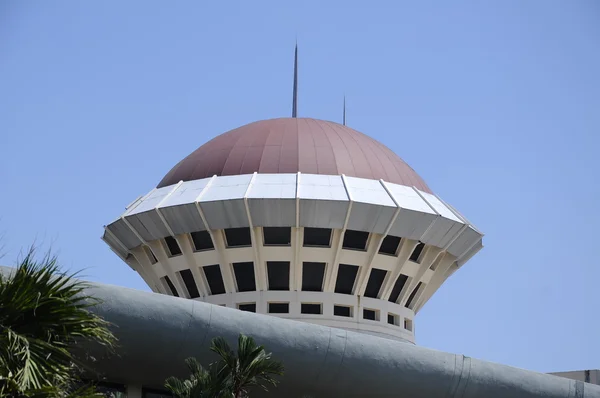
(281, 236)
(342, 311)
(278, 278)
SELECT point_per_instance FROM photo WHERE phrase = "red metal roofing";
(289, 145)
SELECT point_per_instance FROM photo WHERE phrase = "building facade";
(297, 218)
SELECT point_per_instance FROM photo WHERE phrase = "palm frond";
(45, 313)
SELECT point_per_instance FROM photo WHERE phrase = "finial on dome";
(295, 93)
(344, 120)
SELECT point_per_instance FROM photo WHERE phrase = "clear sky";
(496, 104)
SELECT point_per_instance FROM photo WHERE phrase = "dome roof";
(290, 145)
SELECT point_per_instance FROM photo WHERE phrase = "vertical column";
(438, 278)
(218, 243)
(225, 265)
(259, 267)
(332, 270)
(190, 259)
(363, 273)
(296, 269)
(297, 232)
(162, 257)
(406, 248)
(430, 256)
(146, 268)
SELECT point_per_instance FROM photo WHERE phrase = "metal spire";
(295, 94)
(344, 110)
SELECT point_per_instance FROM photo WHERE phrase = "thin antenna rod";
(344, 110)
(295, 94)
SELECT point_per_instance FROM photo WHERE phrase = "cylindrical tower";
(297, 218)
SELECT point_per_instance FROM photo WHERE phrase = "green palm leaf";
(44, 315)
(232, 375)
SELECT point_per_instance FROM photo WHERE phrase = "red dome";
(289, 145)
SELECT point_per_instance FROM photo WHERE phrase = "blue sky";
(495, 104)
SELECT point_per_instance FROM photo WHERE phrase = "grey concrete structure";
(157, 332)
(589, 375)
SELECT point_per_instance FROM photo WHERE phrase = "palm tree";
(44, 315)
(251, 366)
(232, 375)
(203, 383)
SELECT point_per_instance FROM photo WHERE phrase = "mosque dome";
(290, 145)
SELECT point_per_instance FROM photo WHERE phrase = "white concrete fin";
(368, 191)
(186, 193)
(114, 243)
(412, 224)
(222, 214)
(470, 253)
(148, 225)
(150, 201)
(222, 202)
(321, 187)
(273, 186)
(464, 241)
(124, 234)
(323, 201)
(227, 188)
(272, 200)
(323, 214)
(442, 232)
(439, 207)
(407, 198)
(370, 218)
(146, 219)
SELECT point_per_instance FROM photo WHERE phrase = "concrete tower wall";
(386, 247)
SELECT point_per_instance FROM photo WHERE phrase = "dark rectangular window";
(345, 278)
(278, 273)
(317, 237)
(202, 240)
(173, 246)
(375, 281)
(390, 245)
(417, 252)
(306, 308)
(244, 276)
(171, 286)
(369, 314)
(355, 240)
(397, 289)
(214, 279)
(277, 236)
(393, 319)
(248, 307)
(312, 276)
(279, 308)
(238, 237)
(342, 310)
(190, 283)
(412, 296)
